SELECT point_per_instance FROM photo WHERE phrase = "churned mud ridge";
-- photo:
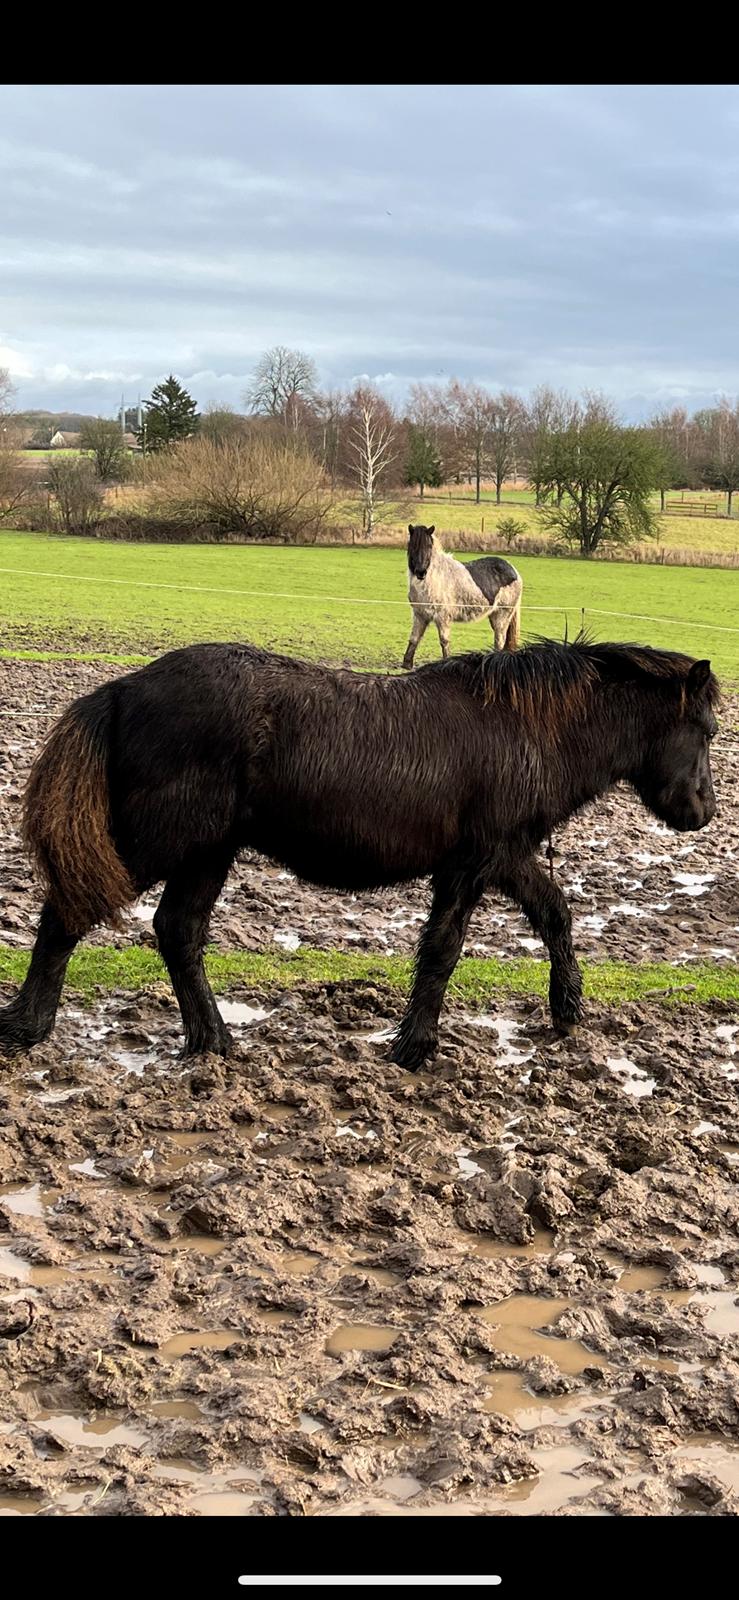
(636, 890)
(305, 1282)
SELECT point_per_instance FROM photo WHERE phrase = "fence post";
(482, 524)
(582, 618)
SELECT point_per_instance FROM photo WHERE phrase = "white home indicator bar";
(367, 1583)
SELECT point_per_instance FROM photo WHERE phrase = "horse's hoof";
(217, 1046)
(16, 1038)
(565, 1030)
(413, 1056)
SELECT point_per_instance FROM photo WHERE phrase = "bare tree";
(505, 433)
(427, 410)
(676, 436)
(16, 481)
(77, 493)
(719, 428)
(330, 413)
(7, 396)
(371, 437)
(222, 424)
(596, 407)
(425, 426)
(546, 413)
(252, 485)
(282, 377)
(471, 410)
(105, 443)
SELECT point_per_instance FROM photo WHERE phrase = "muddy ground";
(305, 1282)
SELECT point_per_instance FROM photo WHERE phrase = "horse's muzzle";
(692, 817)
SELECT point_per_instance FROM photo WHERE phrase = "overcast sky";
(515, 235)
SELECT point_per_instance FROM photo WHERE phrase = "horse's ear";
(430, 530)
(698, 677)
(410, 527)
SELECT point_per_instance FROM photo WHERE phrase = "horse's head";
(420, 549)
(675, 778)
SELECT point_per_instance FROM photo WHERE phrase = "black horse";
(353, 781)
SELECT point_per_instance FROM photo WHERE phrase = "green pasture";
(343, 605)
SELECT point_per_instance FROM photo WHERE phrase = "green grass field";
(461, 514)
(48, 455)
(95, 971)
(347, 605)
(83, 597)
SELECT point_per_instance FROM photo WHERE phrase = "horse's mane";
(550, 680)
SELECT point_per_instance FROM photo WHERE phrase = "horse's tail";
(66, 818)
(513, 631)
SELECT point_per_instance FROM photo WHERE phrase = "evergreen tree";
(422, 463)
(170, 415)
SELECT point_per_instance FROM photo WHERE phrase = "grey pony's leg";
(30, 1017)
(443, 629)
(545, 907)
(499, 623)
(418, 630)
(455, 896)
(181, 926)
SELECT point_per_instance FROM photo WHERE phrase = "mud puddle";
(706, 1455)
(510, 1398)
(217, 1494)
(565, 1475)
(219, 1339)
(360, 1336)
(90, 1432)
(239, 1015)
(522, 1328)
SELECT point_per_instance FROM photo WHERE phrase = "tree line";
(593, 478)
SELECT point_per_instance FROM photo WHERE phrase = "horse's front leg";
(545, 907)
(443, 629)
(418, 630)
(455, 896)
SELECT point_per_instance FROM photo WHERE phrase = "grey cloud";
(512, 234)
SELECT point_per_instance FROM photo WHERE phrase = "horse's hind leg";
(417, 632)
(181, 926)
(544, 904)
(31, 1015)
(454, 899)
(499, 623)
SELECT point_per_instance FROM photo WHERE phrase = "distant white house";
(66, 441)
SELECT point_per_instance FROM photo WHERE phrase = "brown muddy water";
(306, 1283)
